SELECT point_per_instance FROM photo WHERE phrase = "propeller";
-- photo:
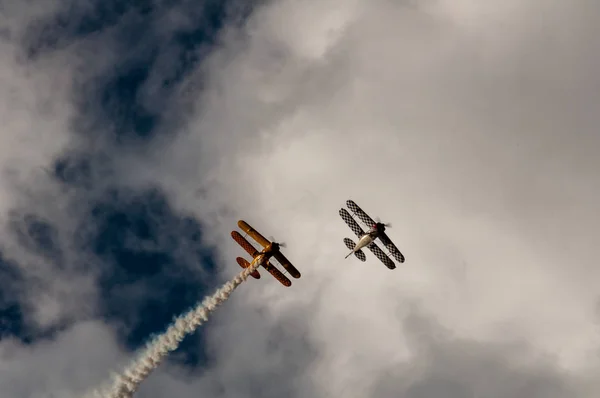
(281, 244)
(387, 225)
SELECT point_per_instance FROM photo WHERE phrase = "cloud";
(36, 110)
(60, 119)
(450, 367)
(78, 358)
(471, 129)
(69, 85)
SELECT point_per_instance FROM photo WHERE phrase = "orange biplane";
(270, 249)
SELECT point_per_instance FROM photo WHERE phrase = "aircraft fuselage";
(270, 250)
(263, 259)
(365, 240)
(267, 253)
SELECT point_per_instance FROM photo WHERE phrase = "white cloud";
(470, 127)
(38, 105)
(476, 140)
(80, 357)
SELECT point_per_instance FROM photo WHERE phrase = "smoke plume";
(127, 383)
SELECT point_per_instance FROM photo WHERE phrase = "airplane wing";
(351, 223)
(381, 256)
(244, 226)
(245, 264)
(287, 264)
(277, 274)
(391, 247)
(360, 213)
(251, 250)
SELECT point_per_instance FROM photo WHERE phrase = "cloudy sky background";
(135, 135)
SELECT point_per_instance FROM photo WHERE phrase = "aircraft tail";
(359, 253)
(245, 264)
(350, 245)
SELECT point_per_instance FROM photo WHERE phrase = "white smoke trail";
(127, 383)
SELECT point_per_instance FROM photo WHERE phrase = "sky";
(134, 135)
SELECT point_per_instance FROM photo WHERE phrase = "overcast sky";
(471, 127)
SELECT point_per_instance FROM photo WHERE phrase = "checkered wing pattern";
(349, 244)
(381, 256)
(361, 255)
(351, 223)
(389, 245)
(360, 213)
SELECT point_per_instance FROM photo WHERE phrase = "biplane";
(367, 239)
(270, 250)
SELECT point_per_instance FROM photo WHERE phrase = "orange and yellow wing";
(251, 250)
(287, 265)
(244, 226)
(277, 274)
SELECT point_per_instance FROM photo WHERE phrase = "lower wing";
(391, 247)
(381, 256)
(277, 274)
(287, 265)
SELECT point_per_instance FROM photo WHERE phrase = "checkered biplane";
(376, 230)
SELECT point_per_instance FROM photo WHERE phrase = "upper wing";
(253, 233)
(387, 242)
(381, 256)
(351, 223)
(287, 264)
(277, 274)
(360, 213)
(251, 250)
